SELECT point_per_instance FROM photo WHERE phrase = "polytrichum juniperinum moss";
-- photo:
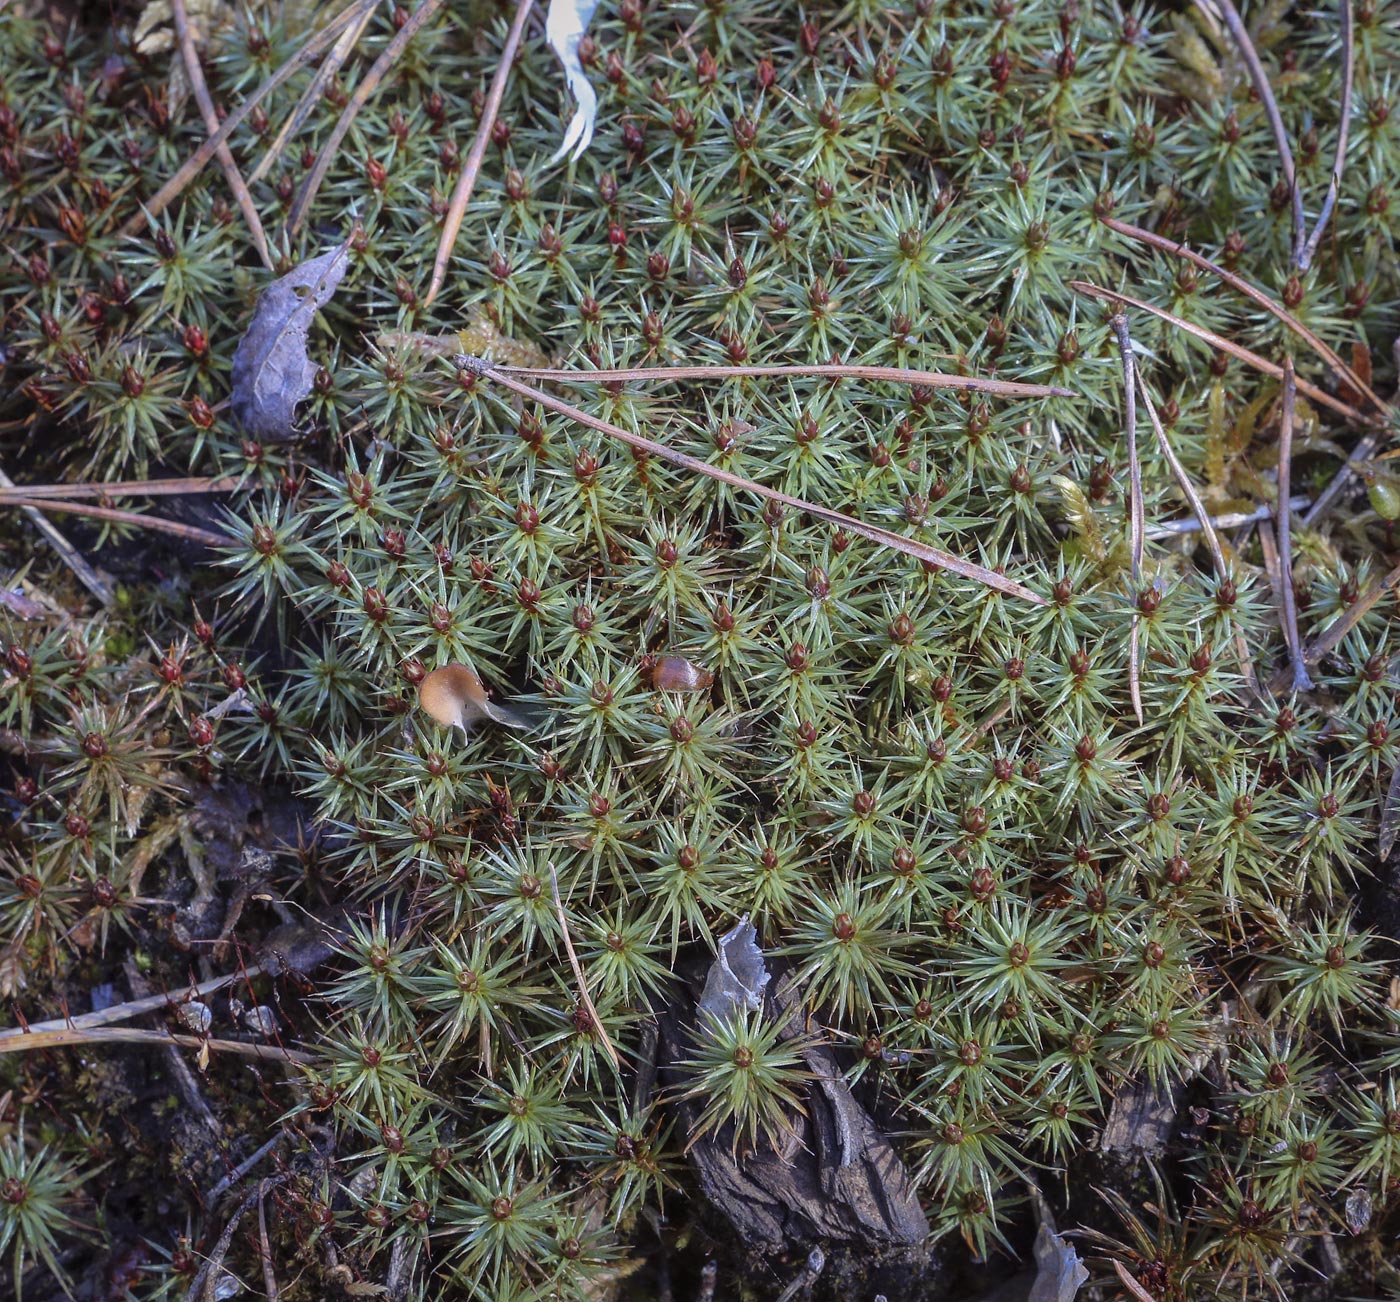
(1005, 900)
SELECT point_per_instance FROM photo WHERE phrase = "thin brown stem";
(1255, 296)
(378, 71)
(1137, 525)
(888, 374)
(1261, 364)
(189, 532)
(1301, 681)
(72, 557)
(583, 996)
(1188, 489)
(1330, 638)
(360, 16)
(921, 551)
(196, 162)
(195, 73)
(1304, 258)
(1358, 457)
(123, 488)
(133, 1035)
(1265, 91)
(466, 183)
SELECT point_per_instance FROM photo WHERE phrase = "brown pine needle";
(890, 374)
(898, 542)
(584, 997)
(1265, 92)
(131, 1035)
(1137, 525)
(1255, 296)
(1301, 681)
(360, 15)
(1330, 637)
(1304, 258)
(466, 183)
(1253, 360)
(123, 488)
(189, 532)
(211, 124)
(196, 162)
(378, 71)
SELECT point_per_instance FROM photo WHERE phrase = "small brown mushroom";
(456, 698)
(676, 674)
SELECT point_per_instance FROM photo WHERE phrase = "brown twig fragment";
(1255, 296)
(359, 16)
(584, 997)
(133, 1035)
(122, 488)
(378, 71)
(264, 1247)
(1265, 91)
(885, 537)
(72, 557)
(1253, 360)
(1330, 638)
(196, 162)
(211, 124)
(466, 183)
(1136, 524)
(189, 532)
(837, 371)
(1360, 454)
(1303, 258)
(1301, 681)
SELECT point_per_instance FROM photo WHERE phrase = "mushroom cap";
(451, 695)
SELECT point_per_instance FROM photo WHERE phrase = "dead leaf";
(271, 371)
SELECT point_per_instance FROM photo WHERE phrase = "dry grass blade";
(189, 532)
(1390, 818)
(196, 162)
(1131, 1284)
(1265, 92)
(466, 183)
(1255, 296)
(1260, 364)
(584, 997)
(1136, 523)
(122, 488)
(358, 100)
(211, 124)
(1188, 489)
(890, 374)
(887, 538)
(131, 1035)
(1330, 638)
(72, 557)
(1301, 681)
(360, 16)
(1304, 258)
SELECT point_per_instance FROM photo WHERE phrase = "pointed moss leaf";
(271, 371)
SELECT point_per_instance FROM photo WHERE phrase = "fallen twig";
(833, 371)
(211, 124)
(197, 161)
(264, 1248)
(1136, 509)
(1230, 520)
(886, 537)
(189, 532)
(584, 997)
(359, 16)
(132, 1008)
(1255, 296)
(1360, 454)
(1301, 681)
(134, 1035)
(72, 557)
(1303, 259)
(246, 1165)
(1266, 98)
(380, 68)
(1261, 364)
(462, 192)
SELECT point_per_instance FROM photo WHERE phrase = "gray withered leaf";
(271, 371)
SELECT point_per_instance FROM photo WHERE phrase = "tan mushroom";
(456, 698)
